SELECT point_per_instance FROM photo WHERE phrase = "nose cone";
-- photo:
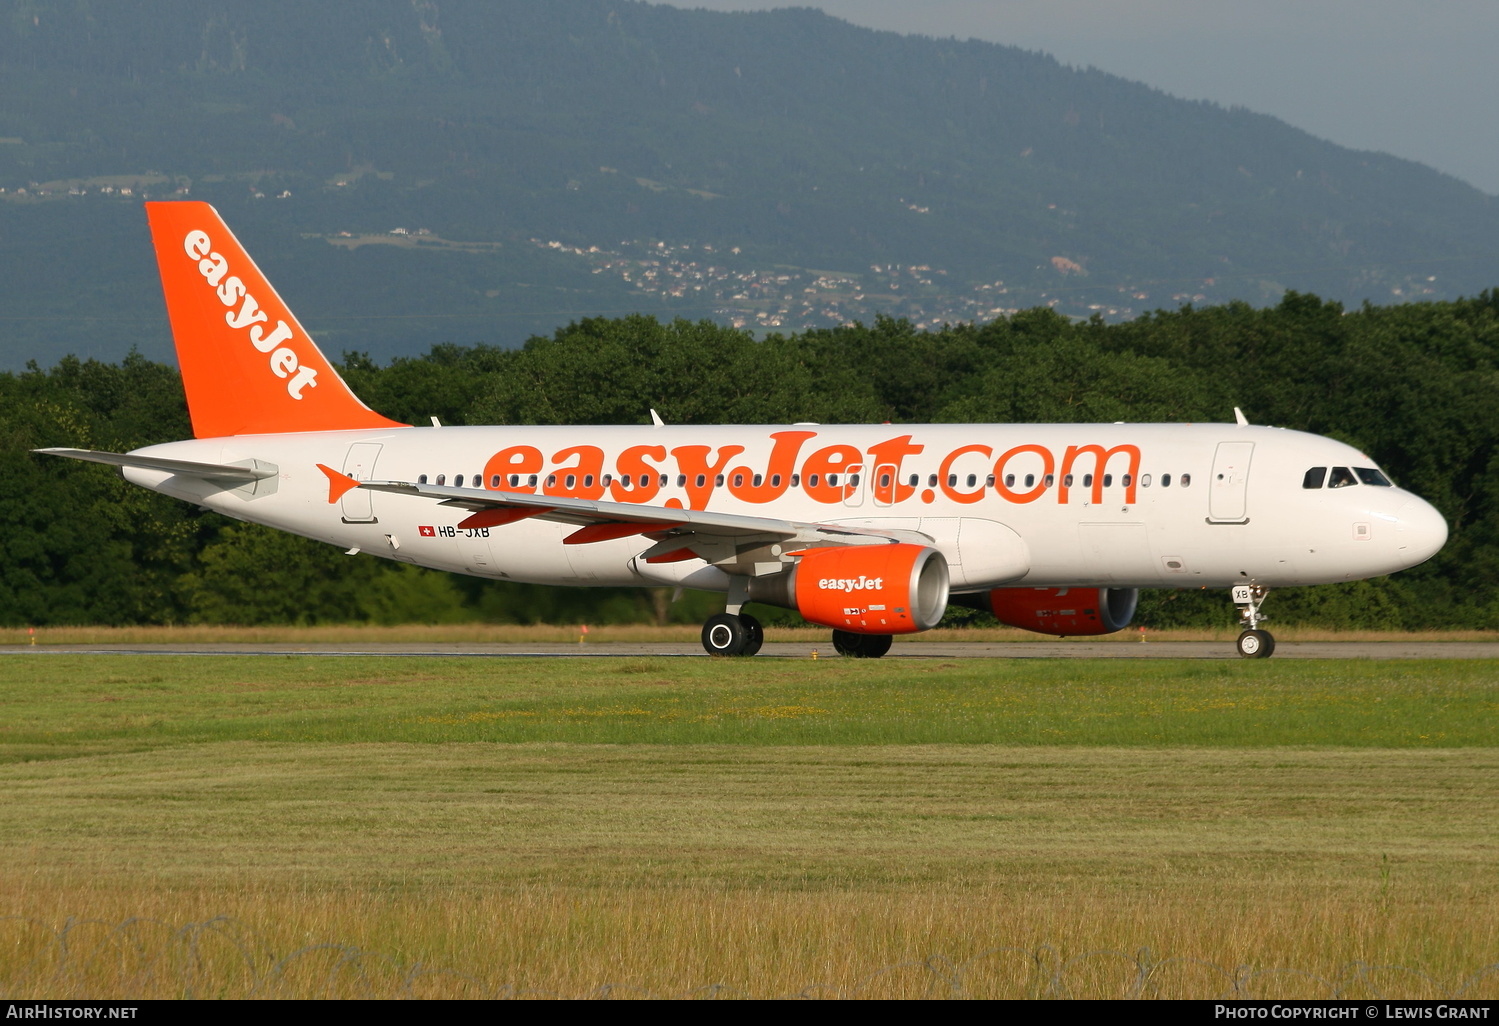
(1421, 533)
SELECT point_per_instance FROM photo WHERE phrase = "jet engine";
(1058, 611)
(862, 589)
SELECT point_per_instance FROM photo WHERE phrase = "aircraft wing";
(246, 473)
(677, 533)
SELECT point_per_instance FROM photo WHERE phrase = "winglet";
(338, 484)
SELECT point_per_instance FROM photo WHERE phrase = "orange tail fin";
(248, 367)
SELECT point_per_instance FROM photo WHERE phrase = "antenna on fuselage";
(1239, 418)
(656, 420)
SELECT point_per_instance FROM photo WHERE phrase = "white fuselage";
(1171, 506)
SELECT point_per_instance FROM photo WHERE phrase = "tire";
(1256, 644)
(724, 635)
(846, 643)
(861, 646)
(754, 634)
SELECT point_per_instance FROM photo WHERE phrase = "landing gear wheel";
(725, 635)
(1256, 644)
(754, 634)
(861, 646)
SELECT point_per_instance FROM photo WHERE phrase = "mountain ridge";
(785, 138)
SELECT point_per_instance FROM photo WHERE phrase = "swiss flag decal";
(427, 531)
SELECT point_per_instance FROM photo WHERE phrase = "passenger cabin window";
(756, 480)
(1165, 480)
(1186, 480)
(494, 480)
(796, 480)
(1314, 477)
(1370, 476)
(1144, 480)
(421, 479)
(458, 481)
(1341, 477)
(1108, 480)
(442, 479)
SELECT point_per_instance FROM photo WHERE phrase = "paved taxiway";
(1075, 649)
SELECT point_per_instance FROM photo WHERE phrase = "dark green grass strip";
(72, 705)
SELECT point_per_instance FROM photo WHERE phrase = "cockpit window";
(1341, 477)
(1371, 476)
(1314, 477)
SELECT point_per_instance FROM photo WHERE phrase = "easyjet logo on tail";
(248, 367)
(246, 315)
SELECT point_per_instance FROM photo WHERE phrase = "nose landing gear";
(1253, 643)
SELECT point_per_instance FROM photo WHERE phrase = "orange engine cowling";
(863, 589)
(1064, 611)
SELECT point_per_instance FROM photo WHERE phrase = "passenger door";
(1228, 488)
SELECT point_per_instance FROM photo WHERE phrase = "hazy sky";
(1418, 80)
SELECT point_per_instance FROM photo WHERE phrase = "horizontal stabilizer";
(208, 471)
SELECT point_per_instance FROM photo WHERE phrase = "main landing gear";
(1253, 642)
(861, 646)
(731, 634)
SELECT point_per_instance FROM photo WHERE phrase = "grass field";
(373, 827)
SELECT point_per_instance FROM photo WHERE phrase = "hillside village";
(786, 298)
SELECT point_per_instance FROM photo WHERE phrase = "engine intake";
(863, 589)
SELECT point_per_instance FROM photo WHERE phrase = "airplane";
(870, 530)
